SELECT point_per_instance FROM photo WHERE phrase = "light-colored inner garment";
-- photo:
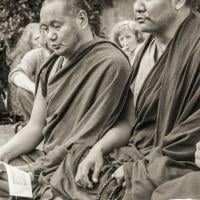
(150, 57)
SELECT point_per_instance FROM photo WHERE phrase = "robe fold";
(185, 187)
(166, 125)
(84, 99)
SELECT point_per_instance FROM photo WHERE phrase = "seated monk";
(163, 111)
(81, 91)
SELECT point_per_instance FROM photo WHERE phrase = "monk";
(81, 91)
(162, 109)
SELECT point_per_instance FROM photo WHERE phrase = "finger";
(87, 183)
(114, 175)
(197, 154)
(77, 176)
(97, 170)
(31, 176)
(82, 178)
(120, 180)
(85, 175)
(198, 145)
(197, 161)
(124, 184)
(119, 175)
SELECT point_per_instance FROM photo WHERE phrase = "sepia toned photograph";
(100, 100)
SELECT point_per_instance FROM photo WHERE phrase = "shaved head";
(72, 7)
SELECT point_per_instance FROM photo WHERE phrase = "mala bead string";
(102, 188)
(115, 189)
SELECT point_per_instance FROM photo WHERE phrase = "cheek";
(134, 41)
(131, 41)
(157, 10)
(121, 43)
(121, 40)
(68, 34)
(35, 43)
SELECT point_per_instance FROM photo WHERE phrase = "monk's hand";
(92, 164)
(197, 154)
(4, 156)
(24, 168)
(119, 175)
(2, 167)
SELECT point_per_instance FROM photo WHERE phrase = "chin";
(145, 28)
(59, 52)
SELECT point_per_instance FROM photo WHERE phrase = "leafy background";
(16, 14)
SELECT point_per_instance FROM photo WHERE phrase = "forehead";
(53, 11)
(126, 34)
(125, 31)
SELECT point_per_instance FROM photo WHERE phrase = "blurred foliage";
(95, 9)
(196, 4)
(16, 14)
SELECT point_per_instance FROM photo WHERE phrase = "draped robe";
(173, 89)
(166, 125)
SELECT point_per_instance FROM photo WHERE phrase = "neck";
(87, 37)
(164, 36)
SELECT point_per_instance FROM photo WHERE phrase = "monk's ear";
(178, 4)
(82, 19)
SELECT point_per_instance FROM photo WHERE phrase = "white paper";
(184, 199)
(19, 182)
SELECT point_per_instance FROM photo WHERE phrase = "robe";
(165, 120)
(84, 99)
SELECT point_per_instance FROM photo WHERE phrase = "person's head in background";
(32, 37)
(29, 39)
(127, 36)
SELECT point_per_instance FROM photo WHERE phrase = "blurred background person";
(26, 68)
(127, 36)
(29, 39)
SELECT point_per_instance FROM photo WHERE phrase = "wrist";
(97, 148)
(5, 154)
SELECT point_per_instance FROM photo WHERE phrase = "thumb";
(198, 146)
